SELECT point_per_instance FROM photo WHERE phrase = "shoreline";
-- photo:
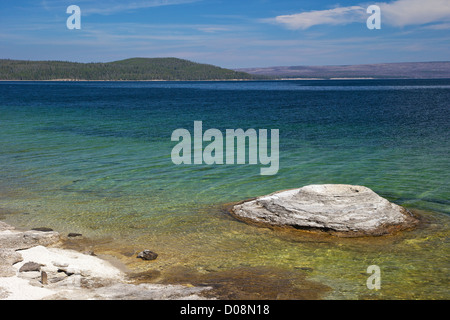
(37, 265)
(79, 80)
(141, 280)
(173, 282)
(228, 80)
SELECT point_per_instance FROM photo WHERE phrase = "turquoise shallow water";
(94, 157)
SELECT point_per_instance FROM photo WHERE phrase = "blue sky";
(227, 33)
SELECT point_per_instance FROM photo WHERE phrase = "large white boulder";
(336, 208)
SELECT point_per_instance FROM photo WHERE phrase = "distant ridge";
(129, 69)
(148, 69)
(404, 70)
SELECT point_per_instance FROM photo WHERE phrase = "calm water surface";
(94, 158)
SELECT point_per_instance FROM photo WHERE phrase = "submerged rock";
(345, 210)
(147, 255)
(42, 229)
(74, 235)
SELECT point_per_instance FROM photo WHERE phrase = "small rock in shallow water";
(147, 255)
(305, 269)
(43, 229)
(73, 235)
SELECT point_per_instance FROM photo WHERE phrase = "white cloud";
(107, 7)
(213, 29)
(110, 7)
(336, 16)
(397, 13)
(440, 26)
(402, 13)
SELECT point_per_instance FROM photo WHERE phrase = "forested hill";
(130, 69)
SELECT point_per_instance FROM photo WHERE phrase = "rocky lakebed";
(35, 264)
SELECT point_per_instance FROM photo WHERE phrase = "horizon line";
(238, 68)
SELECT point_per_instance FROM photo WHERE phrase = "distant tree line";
(130, 69)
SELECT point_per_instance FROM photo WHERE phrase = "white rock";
(78, 263)
(337, 208)
(91, 278)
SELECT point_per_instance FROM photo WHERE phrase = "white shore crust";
(33, 268)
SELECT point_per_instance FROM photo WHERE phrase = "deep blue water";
(390, 135)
